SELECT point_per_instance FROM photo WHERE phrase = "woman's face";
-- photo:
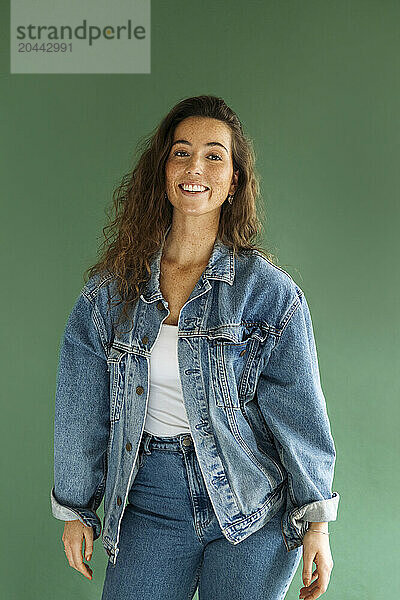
(200, 154)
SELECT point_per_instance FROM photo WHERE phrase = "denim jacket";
(251, 387)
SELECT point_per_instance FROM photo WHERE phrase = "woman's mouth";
(193, 190)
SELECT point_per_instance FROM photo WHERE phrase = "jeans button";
(186, 441)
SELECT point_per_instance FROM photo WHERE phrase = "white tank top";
(166, 413)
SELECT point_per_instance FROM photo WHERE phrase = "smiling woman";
(209, 439)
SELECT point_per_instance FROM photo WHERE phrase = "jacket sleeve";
(81, 421)
(292, 402)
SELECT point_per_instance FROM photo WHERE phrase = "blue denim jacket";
(251, 385)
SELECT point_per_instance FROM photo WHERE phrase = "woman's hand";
(74, 533)
(316, 549)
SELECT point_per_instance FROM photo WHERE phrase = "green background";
(316, 85)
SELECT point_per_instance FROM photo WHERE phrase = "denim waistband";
(177, 443)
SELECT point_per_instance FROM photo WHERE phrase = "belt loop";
(146, 447)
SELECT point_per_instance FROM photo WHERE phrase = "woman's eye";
(184, 152)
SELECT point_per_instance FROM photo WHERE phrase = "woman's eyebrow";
(207, 144)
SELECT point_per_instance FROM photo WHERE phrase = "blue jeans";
(171, 542)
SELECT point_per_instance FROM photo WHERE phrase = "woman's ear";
(235, 179)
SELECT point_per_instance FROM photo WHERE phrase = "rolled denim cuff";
(295, 521)
(86, 516)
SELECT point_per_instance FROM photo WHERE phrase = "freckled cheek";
(171, 175)
(217, 188)
(168, 169)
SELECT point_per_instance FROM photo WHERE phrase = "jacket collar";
(221, 266)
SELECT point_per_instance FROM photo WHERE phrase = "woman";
(204, 424)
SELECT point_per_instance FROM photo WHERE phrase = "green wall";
(316, 84)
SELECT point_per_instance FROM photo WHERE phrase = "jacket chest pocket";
(117, 366)
(234, 356)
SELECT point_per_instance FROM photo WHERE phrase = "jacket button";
(160, 305)
(128, 446)
(145, 339)
(242, 352)
(119, 500)
(139, 389)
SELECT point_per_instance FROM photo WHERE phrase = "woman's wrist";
(318, 526)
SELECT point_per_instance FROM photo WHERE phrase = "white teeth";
(193, 188)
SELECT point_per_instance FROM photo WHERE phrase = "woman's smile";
(193, 190)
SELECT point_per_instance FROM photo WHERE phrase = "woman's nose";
(194, 164)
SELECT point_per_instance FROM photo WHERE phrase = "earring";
(230, 198)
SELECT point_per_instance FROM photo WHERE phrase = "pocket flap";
(239, 333)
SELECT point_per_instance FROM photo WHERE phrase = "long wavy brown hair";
(141, 212)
